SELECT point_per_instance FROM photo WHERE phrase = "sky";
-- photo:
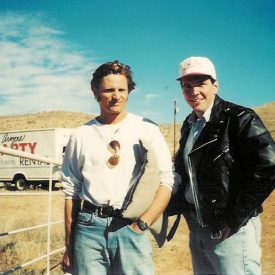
(50, 48)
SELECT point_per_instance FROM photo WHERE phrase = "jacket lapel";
(209, 133)
(212, 129)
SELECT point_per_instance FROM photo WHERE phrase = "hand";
(66, 263)
(135, 228)
(225, 232)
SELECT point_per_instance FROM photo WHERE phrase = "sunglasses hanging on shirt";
(114, 147)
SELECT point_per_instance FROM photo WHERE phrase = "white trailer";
(23, 172)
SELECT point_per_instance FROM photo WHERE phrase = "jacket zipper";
(196, 201)
(192, 184)
(223, 152)
(211, 141)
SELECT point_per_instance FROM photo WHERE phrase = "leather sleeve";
(252, 180)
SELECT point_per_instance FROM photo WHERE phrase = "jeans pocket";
(256, 223)
(129, 228)
(84, 218)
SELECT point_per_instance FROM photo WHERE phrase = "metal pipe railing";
(50, 161)
(20, 230)
(17, 153)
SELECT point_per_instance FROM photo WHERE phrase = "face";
(112, 94)
(199, 92)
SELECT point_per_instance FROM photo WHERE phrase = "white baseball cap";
(196, 66)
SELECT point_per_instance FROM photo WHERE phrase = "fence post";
(49, 219)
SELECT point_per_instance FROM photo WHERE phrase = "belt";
(101, 211)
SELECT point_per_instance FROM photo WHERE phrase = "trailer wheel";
(20, 183)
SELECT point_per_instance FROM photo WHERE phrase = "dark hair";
(206, 78)
(114, 67)
(212, 80)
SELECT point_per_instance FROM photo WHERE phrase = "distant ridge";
(54, 119)
(267, 114)
(66, 119)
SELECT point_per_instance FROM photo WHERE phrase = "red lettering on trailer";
(32, 146)
(21, 146)
(4, 145)
(14, 146)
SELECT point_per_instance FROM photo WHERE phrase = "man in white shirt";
(102, 163)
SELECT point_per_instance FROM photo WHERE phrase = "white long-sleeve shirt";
(86, 173)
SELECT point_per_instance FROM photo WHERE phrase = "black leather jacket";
(232, 167)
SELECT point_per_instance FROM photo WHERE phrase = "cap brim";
(193, 74)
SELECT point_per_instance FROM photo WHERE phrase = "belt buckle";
(105, 212)
(101, 213)
(216, 235)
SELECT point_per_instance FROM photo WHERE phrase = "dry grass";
(22, 247)
(21, 212)
(172, 259)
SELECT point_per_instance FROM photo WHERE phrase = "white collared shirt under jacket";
(86, 173)
(197, 126)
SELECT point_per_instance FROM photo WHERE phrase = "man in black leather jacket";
(227, 162)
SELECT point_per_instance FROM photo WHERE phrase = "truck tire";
(20, 183)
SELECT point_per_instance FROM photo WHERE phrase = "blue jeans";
(104, 246)
(239, 254)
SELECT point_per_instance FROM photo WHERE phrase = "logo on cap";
(196, 66)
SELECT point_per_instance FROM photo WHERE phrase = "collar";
(206, 116)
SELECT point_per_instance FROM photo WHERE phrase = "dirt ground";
(174, 257)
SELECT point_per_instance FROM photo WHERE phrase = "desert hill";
(267, 114)
(55, 119)
(65, 119)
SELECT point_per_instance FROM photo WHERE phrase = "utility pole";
(175, 114)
